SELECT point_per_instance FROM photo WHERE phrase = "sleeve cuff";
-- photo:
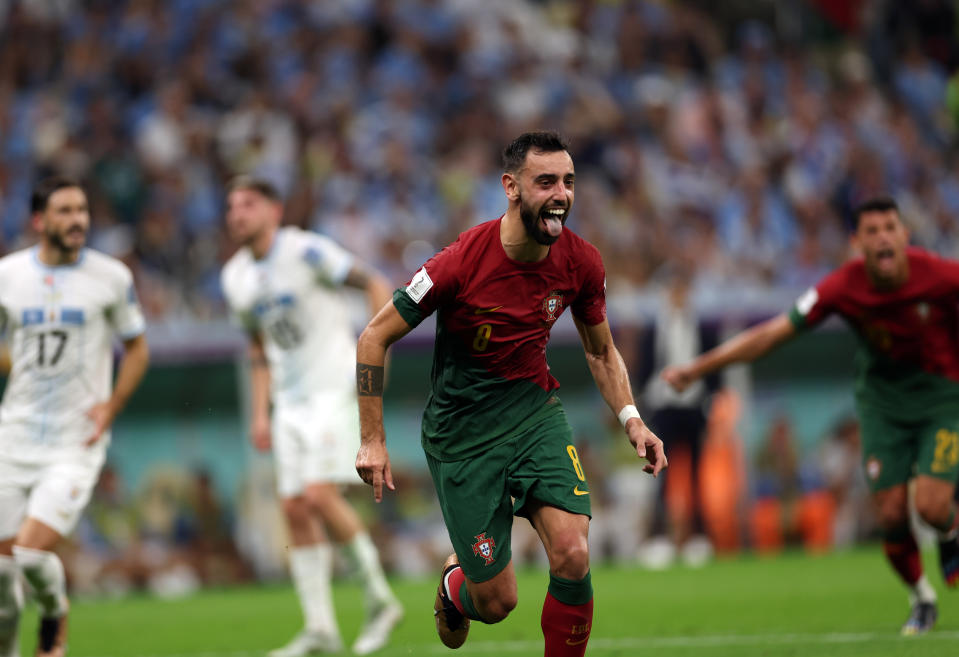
(407, 309)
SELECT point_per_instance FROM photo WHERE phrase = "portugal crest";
(552, 305)
(484, 547)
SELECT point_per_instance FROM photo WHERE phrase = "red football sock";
(454, 581)
(566, 627)
(903, 555)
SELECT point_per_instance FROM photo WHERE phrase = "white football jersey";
(293, 297)
(59, 324)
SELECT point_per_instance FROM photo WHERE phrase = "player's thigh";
(289, 453)
(938, 440)
(63, 491)
(546, 468)
(474, 497)
(16, 480)
(889, 449)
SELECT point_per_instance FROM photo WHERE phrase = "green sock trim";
(571, 591)
(467, 603)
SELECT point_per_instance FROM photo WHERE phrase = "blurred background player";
(497, 439)
(61, 304)
(902, 303)
(679, 418)
(284, 285)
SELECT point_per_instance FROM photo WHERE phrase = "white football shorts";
(316, 442)
(55, 492)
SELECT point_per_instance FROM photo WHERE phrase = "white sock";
(922, 591)
(44, 571)
(311, 567)
(11, 602)
(367, 559)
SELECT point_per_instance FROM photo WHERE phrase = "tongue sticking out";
(553, 226)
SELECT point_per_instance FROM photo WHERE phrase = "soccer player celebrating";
(493, 430)
(60, 306)
(285, 287)
(902, 304)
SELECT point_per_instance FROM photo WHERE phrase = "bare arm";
(746, 346)
(133, 365)
(609, 371)
(373, 461)
(374, 284)
(260, 433)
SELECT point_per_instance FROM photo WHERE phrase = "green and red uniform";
(907, 387)
(493, 428)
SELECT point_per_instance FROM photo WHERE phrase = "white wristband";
(628, 411)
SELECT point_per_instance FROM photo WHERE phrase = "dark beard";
(56, 241)
(531, 222)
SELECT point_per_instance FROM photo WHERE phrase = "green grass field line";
(839, 605)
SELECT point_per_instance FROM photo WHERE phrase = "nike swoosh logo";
(570, 642)
(577, 491)
(480, 311)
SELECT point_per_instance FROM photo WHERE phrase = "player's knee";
(933, 510)
(569, 556)
(296, 510)
(892, 513)
(320, 498)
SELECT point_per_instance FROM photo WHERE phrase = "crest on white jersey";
(806, 302)
(419, 286)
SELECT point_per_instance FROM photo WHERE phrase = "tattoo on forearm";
(369, 380)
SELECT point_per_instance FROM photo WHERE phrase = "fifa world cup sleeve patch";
(806, 302)
(419, 286)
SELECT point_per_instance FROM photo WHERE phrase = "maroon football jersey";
(494, 315)
(913, 329)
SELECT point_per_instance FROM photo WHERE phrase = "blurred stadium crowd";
(695, 131)
(732, 137)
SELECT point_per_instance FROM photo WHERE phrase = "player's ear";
(510, 186)
(854, 246)
(36, 222)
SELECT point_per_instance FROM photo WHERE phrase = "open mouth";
(552, 221)
(885, 255)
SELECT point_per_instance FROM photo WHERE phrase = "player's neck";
(53, 256)
(263, 242)
(516, 241)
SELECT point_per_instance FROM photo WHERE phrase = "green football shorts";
(896, 449)
(480, 495)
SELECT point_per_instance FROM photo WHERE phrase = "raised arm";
(746, 346)
(373, 461)
(609, 371)
(133, 365)
(374, 284)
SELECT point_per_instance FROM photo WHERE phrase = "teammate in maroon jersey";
(495, 434)
(902, 304)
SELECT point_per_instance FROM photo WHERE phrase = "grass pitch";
(838, 605)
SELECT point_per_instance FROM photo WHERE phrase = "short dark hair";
(874, 204)
(258, 185)
(514, 155)
(45, 189)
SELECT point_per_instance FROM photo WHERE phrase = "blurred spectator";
(790, 504)
(843, 477)
(692, 127)
(679, 419)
